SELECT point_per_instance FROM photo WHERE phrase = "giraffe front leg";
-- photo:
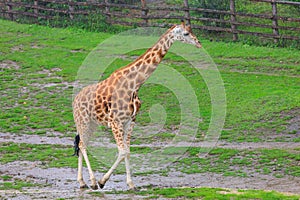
(117, 129)
(128, 173)
(112, 169)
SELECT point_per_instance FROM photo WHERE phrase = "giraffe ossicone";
(114, 102)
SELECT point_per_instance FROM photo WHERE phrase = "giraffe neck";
(141, 69)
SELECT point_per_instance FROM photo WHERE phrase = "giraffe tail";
(76, 145)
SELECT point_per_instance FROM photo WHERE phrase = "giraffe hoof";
(101, 185)
(133, 189)
(131, 186)
(83, 186)
(94, 187)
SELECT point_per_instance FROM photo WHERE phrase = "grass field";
(38, 68)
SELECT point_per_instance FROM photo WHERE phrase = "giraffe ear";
(182, 23)
(188, 28)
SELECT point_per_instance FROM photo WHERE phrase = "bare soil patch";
(290, 128)
(61, 182)
(35, 139)
(57, 138)
(8, 64)
(52, 183)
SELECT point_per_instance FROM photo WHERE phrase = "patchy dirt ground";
(53, 183)
(61, 182)
(56, 139)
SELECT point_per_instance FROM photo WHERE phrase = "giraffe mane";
(136, 60)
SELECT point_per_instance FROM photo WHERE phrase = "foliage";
(94, 19)
(213, 5)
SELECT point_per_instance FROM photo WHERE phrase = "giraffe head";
(184, 34)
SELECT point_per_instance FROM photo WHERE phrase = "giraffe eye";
(186, 34)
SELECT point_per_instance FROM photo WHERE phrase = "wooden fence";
(233, 22)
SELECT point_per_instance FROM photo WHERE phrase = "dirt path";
(61, 182)
(55, 183)
(36, 139)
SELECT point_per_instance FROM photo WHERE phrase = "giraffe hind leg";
(84, 133)
(78, 152)
(128, 131)
(80, 177)
(94, 185)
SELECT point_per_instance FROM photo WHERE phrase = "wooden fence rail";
(236, 23)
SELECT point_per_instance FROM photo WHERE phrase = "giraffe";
(114, 103)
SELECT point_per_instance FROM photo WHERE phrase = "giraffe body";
(114, 102)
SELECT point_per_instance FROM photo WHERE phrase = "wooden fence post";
(274, 20)
(187, 11)
(10, 15)
(145, 11)
(36, 11)
(71, 10)
(107, 11)
(233, 20)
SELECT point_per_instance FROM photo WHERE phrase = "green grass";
(243, 163)
(5, 177)
(261, 83)
(9, 183)
(52, 155)
(44, 56)
(212, 193)
(252, 59)
(16, 185)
